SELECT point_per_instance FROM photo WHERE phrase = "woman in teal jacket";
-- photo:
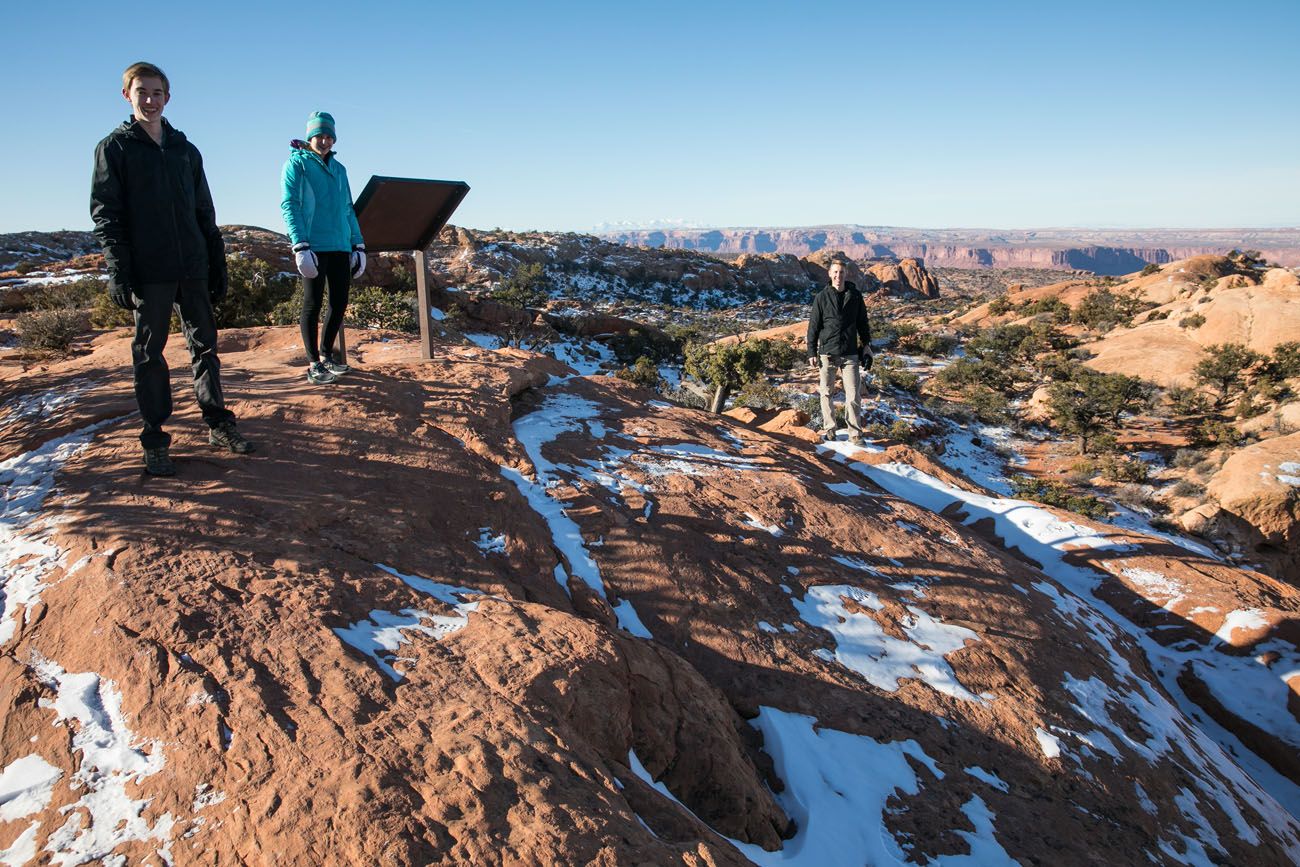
(327, 243)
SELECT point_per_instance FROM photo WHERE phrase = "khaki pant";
(851, 377)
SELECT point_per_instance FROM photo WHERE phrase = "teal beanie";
(321, 123)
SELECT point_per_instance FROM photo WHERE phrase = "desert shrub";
(526, 286)
(105, 314)
(1116, 468)
(1216, 432)
(931, 344)
(255, 290)
(638, 343)
(81, 294)
(728, 366)
(1186, 402)
(289, 311)
(1285, 360)
(1051, 306)
(1056, 493)
(761, 394)
(26, 267)
(1099, 310)
(989, 406)
(50, 330)
(1196, 320)
(966, 373)
(1185, 459)
(372, 307)
(642, 372)
(891, 374)
(780, 354)
(1001, 305)
(1186, 488)
(902, 431)
(1151, 268)
(1224, 366)
(1157, 315)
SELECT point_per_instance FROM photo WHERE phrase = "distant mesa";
(1101, 251)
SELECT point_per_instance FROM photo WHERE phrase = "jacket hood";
(131, 128)
(302, 150)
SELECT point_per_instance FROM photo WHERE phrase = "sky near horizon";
(573, 115)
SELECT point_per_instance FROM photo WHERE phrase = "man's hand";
(218, 283)
(305, 260)
(121, 296)
(866, 359)
(812, 362)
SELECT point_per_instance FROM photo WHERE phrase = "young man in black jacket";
(839, 339)
(154, 217)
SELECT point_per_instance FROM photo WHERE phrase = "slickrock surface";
(479, 611)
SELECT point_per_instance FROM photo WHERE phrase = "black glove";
(218, 284)
(121, 295)
(866, 359)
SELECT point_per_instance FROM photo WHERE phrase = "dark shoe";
(319, 374)
(158, 462)
(855, 439)
(227, 436)
(828, 436)
(337, 368)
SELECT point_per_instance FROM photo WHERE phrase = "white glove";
(305, 259)
(358, 260)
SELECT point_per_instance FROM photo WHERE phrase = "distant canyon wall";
(1052, 251)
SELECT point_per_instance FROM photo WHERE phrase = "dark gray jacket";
(837, 323)
(153, 211)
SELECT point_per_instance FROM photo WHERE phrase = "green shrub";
(1196, 320)
(526, 286)
(105, 314)
(642, 372)
(255, 290)
(891, 374)
(931, 344)
(1151, 268)
(901, 431)
(50, 330)
(1157, 315)
(1000, 306)
(1224, 366)
(1285, 361)
(1056, 493)
(761, 394)
(288, 312)
(1187, 402)
(637, 343)
(80, 294)
(1216, 432)
(989, 406)
(372, 307)
(1185, 459)
(1124, 469)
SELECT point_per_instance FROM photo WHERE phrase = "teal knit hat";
(321, 123)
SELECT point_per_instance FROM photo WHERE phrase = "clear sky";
(568, 115)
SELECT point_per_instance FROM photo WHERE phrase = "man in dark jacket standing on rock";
(839, 335)
(155, 219)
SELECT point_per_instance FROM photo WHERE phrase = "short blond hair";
(145, 70)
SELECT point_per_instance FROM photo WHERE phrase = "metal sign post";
(401, 214)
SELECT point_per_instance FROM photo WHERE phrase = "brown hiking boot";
(226, 435)
(158, 462)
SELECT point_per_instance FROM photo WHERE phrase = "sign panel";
(399, 215)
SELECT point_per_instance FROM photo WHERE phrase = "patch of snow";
(988, 777)
(436, 315)
(863, 646)
(112, 758)
(485, 341)
(757, 523)
(26, 554)
(26, 786)
(837, 786)
(1246, 618)
(490, 544)
(1049, 743)
(767, 627)
(629, 620)
(44, 404)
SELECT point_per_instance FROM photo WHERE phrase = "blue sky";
(569, 115)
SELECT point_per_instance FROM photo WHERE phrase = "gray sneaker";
(226, 435)
(829, 435)
(319, 374)
(158, 462)
(337, 368)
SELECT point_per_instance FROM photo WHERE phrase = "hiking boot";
(855, 439)
(337, 368)
(226, 435)
(158, 462)
(319, 374)
(828, 435)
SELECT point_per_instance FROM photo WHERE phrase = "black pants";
(336, 269)
(153, 387)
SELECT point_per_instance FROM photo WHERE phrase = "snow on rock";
(43, 404)
(112, 758)
(988, 777)
(1049, 743)
(837, 789)
(25, 787)
(489, 543)
(862, 645)
(1246, 619)
(26, 553)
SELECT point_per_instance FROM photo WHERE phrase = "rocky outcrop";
(1257, 491)
(475, 610)
(1111, 252)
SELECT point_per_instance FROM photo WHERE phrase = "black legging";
(334, 268)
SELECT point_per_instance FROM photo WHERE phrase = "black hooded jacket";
(153, 211)
(837, 323)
